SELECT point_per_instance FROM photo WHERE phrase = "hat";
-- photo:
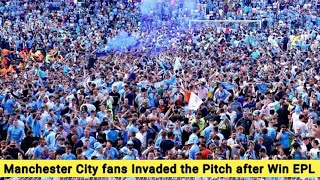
(223, 117)
(97, 146)
(255, 113)
(125, 150)
(297, 135)
(189, 142)
(130, 142)
(177, 143)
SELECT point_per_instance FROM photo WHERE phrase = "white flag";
(97, 82)
(90, 107)
(194, 102)
(158, 84)
(177, 64)
(85, 83)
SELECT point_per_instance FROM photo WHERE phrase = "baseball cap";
(177, 143)
(255, 113)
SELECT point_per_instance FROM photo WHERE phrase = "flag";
(41, 73)
(118, 84)
(263, 87)
(66, 69)
(158, 84)
(177, 64)
(228, 86)
(170, 82)
(316, 44)
(295, 39)
(85, 83)
(70, 97)
(164, 68)
(142, 84)
(97, 82)
(194, 102)
(47, 60)
(255, 54)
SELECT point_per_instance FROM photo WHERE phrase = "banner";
(160, 168)
(194, 102)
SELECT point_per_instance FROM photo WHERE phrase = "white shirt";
(43, 119)
(231, 142)
(142, 138)
(295, 117)
(303, 148)
(303, 126)
(50, 104)
(233, 116)
(21, 124)
(259, 124)
(221, 137)
(314, 152)
(89, 106)
(94, 120)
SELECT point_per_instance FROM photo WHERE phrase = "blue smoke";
(187, 8)
(122, 42)
(189, 5)
(174, 14)
(147, 7)
(163, 10)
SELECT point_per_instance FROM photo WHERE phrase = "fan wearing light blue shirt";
(8, 104)
(98, 151)
(110, 152)
(86, 135)
(131, 153)
(38, 151)
(208, 130)
(51, 139)
(222, 94)
(68, 155)
(194, 149)
(15, 133)
(284, 137)
(87, 151)
(194, 137)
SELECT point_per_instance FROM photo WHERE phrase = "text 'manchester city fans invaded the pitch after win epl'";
(160, 168)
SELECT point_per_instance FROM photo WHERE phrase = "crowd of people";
(122, 80)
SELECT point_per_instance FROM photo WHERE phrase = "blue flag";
(162, 66)
(228, 86)
(66, 69)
